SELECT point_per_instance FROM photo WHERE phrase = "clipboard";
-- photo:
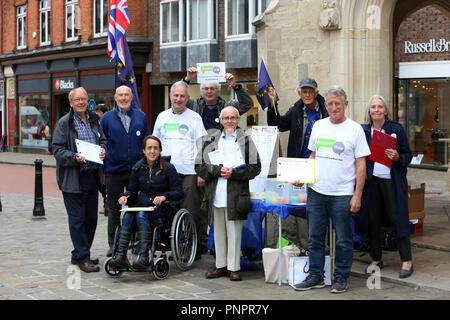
(380, 142)
(296, 169)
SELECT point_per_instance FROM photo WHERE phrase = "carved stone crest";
(330, 17)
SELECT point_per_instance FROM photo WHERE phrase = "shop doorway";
(61, 106)
(423, 111)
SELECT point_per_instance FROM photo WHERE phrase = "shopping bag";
(299, 270)
(271, 263)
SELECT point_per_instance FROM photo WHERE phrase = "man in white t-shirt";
(339, 146)
(179, 130)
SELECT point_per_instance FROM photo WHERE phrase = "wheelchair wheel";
(161, 268)
(110, 271)
(183, 239)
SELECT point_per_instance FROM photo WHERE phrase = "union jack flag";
(118, 24)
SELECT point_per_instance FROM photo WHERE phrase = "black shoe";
(406, 273)
(109, 252)
(339, 285)
(311, 282)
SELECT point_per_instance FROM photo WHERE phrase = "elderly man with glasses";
(77, 178)
(210, 104)
(227, 161)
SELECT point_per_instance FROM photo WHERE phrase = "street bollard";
(38, 210)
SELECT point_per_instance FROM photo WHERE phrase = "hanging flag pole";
(119, 21)
(264, 83)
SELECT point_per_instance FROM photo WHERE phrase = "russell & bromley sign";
(431, 46)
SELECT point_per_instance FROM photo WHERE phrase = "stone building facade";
(358, 53)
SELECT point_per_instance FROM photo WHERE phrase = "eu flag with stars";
(125, 75)
(263, 85)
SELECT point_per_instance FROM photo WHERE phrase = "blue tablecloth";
(284, 210)
(252, 232)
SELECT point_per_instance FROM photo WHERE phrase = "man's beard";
(126, 107)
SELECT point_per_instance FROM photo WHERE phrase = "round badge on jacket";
(138, 133)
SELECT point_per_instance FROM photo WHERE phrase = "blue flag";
(125, 75)
(263, 85)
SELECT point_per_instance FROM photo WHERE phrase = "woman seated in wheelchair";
(153, 181)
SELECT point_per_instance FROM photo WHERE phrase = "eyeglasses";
(229, 118)
(79, 99)
(307, 92)
(209, 88)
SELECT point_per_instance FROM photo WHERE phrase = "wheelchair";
(177, 233)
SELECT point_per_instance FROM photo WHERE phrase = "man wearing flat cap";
(298, 120)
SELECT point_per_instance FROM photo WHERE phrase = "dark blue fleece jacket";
(124, 149)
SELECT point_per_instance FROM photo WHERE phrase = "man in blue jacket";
(299, 121)
(125, 129)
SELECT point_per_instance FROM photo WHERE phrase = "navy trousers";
(82, 210)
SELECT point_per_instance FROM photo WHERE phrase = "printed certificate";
(296, 169)
(89, 150)
(212, 72)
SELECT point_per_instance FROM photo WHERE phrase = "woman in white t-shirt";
(385, 195)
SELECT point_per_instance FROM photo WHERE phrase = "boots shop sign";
(64, 84)
(434, 45)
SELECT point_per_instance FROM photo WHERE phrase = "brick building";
(48, 47)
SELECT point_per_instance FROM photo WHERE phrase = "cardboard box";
(416, 228)
(416, 196)
(299, 270)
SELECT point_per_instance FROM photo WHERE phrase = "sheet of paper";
(211, 72)
(227, 158)
(296, 169)
(89, 150)
(265, 138)
(136, 209)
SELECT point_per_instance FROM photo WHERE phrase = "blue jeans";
(319, 208)
(143, 219)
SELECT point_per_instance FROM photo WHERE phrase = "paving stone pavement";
(35, 259)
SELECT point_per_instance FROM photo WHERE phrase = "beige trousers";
(227, 240)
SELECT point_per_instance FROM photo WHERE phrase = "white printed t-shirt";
(337, 146)
(178, 134)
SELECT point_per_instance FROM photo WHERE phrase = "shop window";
(21, 27)
(106, 98)
(100, 18)
(44, 16)
(239, 15)
(72, 20)
(34, 121)
(172, 21)
(428, 119)
(201, 19)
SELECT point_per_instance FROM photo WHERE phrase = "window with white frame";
(201, 19)
(72, 23)
(44, 16)
(239, 15)
(172, 21)
(100, 18)
(21, 27)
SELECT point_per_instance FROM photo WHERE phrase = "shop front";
(43, 95)
(423, 85)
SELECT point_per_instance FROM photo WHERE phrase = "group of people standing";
(211, 163)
